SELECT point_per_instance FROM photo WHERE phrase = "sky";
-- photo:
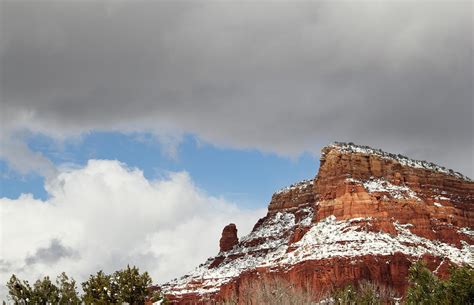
(127, 127)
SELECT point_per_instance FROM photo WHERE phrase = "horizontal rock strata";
(367, 215)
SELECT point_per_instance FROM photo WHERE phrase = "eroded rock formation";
(367, 215)
(229, 238)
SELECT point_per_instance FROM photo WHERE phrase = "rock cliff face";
(367, 215)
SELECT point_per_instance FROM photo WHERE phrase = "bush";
(132, 287)
(460, 286)
(273, 292)
(345, 296)
(43, 291)
(278, 291)
(99, 289)
(124, 286)
(364, 293)
(20, 291)
(67, 290)
(426, 288)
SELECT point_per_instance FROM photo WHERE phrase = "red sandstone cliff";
(367, 215)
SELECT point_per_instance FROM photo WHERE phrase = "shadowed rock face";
(229, 238)
(367, 215)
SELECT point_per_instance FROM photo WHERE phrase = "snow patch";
(467, 231)
(384, 186)
(295, 186)
(326, 239)
(331, 238)
(403, 160)
(439, 197)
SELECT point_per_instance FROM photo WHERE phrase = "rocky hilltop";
(367, 215)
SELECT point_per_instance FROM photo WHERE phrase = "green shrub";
(364, 293)
(45, 292)
(99, 289)
(460, 286)
(20, 291)
(132, 287)
(67, 290)
(426, 288)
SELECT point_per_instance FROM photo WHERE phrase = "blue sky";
(246, 177)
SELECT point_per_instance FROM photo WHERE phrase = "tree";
(124, 286)
(20, 291)
(45, 292)
(364, 293)
(425, 288)
(274, 291)
(67, 290)
(132, 286)
(99, 289)
(368, 294)
(345, 296)
(460, 286)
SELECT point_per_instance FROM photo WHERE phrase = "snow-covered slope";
(366, 213)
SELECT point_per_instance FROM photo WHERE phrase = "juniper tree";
(45, 292)
(67, 290)
(424, 287)
(460, 286)
(20, 292)
(132, 286)
(99, 290)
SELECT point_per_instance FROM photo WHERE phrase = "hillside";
(367, 215)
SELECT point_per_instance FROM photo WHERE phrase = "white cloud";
(105, 215)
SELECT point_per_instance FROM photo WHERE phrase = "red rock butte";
(367, 215)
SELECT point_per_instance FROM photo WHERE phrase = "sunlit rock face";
(367, 215)
(229, 238)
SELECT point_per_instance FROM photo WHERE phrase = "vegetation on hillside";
(425, 288)
(132, 287)
(123, 286)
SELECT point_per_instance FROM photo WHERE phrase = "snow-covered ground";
(350, 147)
(384, 186)
(331, 238)
(299, 185)
(326, 239)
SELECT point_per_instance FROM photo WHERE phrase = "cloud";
(50, 254)
(105, 216)
(275, 76)
(15, 151)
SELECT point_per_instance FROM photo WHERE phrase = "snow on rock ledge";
(331, 238)
(326, 239)
(295, 186)
(384, 186)
(403, 160)
(366, 216)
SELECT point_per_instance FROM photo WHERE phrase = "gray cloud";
(279, 77)
(51, 254)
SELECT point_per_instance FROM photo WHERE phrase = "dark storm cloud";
(279, 77)
(51, 254)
